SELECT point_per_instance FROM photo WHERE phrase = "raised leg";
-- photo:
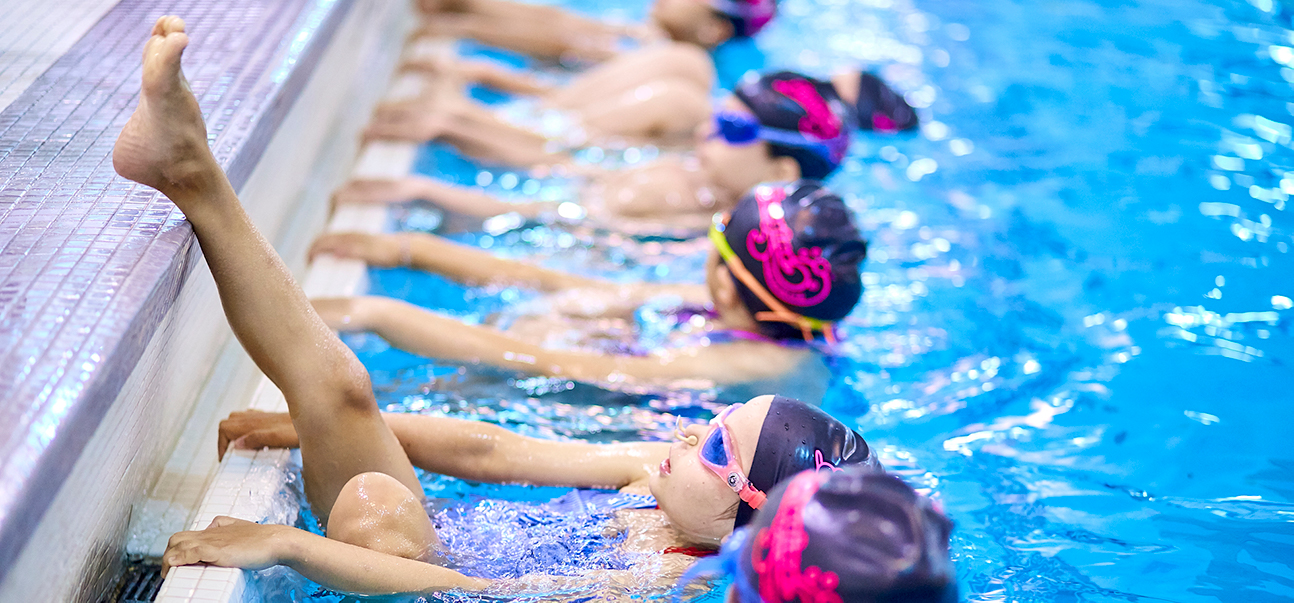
(330, 399)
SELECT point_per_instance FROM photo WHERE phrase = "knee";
(684, 98)
(690, 62)
(377, 512)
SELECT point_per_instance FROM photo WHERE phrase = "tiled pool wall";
(103, 287)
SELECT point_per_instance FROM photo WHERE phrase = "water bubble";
(905, 220)
(933, 130)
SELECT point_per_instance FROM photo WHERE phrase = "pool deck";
(91, 265)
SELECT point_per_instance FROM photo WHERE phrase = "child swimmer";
(357, 472)
(784, 266)
(699, 24)
(777, 127)
(846, 535)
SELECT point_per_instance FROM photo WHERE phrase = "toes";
(175, 24)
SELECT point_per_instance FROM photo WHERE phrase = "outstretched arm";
(457, 199)
(467, 265)
(540, 31)
(476, 451)
(484, 73)
(231, 542)
(427, 333)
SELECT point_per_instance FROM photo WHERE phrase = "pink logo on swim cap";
(796, 277)
(819, 463)
(778, 549)
(820, 122)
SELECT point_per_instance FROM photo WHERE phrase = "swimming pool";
(1077, 327)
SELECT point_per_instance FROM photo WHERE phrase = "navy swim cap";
(851, 535)
(808, 111)
(880, 108)
(796, 436)
(799, 242)
(747, 16)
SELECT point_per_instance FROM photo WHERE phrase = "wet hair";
(747, 17)
(879, 107)
(795, 102)
(817, 272)
(861, 535)
(796, 436)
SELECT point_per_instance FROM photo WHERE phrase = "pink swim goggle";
(719, 455)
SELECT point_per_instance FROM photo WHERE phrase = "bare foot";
(164, 145)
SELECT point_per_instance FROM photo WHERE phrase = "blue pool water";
(1077, 330)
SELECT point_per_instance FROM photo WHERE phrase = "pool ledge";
(92, 266)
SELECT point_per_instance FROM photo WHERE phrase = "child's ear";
(714, 31)
(786, 169)
(725, 290)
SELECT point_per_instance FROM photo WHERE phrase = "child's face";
(694, 497)
(735, 167)
(691, 21)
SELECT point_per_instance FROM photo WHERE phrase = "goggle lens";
(714, 451)
(736, 128)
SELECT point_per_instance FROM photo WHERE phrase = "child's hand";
(228, 542)
(375, 250)
(254, 429)
(379, 191)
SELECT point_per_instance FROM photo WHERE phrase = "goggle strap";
(752, 496)
(779, 312)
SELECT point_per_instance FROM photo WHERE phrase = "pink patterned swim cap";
(850, 535)
(799, 242)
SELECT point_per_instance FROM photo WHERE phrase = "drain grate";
(140, 581)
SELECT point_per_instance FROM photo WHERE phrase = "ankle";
(194, 176)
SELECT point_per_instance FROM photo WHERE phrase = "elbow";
(352, 388)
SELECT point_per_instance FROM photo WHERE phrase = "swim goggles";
(719, 454)
(739, 128)
(777, 311)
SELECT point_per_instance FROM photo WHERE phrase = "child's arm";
(427, 333)
(467, 265)
(484, 73)
(339, 566)
(540, 31)
(457, 199)
(476, 451)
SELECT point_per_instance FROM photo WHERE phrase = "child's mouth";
(664, 467)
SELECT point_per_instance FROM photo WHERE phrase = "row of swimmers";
(794, 501)
(774, 282)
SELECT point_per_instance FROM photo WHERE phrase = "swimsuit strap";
(690, 551)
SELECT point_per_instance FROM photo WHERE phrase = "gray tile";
(90, 263)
